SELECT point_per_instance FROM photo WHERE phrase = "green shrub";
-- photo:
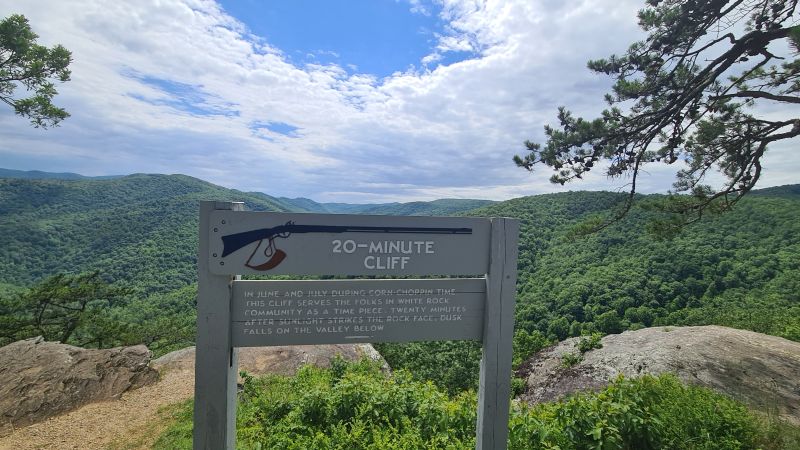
(517, 386)
(589, 342)
(452, 365)
(645, 413)
(571, 359)
(354, 406)
(526, 344)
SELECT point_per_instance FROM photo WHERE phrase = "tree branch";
(760, 94)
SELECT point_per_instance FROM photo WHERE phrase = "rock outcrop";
(40, 379)
(283, 360)
(762, 371)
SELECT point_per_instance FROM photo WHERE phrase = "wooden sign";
(338, 244)
(232, 313)
(348, 311)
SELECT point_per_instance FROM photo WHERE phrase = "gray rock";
(759, 370)
(40, 379)
(283, 360)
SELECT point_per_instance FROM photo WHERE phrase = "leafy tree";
(609, 322)
(526, 344)
(35, 67)
(62, 307)
(686, 94)
(558, 328)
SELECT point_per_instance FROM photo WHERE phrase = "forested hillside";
(139, 232)
(740, 269)
(139, 229)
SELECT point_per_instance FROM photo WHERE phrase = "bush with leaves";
(357, 407)
(589, 342)
(526, 344)
(571, 359)
(451, 365)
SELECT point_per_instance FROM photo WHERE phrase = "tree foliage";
(738, 270)
(64, 307)
(25, 63)
(686, 94)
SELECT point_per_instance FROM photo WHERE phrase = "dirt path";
(132, 420)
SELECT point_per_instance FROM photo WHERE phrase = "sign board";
(347, 311)
(337, 244)
(232, 313)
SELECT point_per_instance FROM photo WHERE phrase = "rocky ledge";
(281, 360)
(40, 379)
(760, 370)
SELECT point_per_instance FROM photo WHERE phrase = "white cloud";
(418, 7)
(417, 134)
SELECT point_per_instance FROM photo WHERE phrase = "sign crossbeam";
(234, 313)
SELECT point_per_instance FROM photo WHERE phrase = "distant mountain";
(137, 228)
(785, 191)
(352, 208)
(305, 205)
(442, 207)
(39, 175)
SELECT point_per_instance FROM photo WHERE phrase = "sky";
(357, 101)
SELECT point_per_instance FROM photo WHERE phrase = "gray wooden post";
(216, 364)
(495, 382)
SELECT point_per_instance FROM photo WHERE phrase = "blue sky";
(362, 36)
(350, 101)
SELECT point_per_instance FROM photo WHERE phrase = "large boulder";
(283, 360)
(762, 371)
(40, 379)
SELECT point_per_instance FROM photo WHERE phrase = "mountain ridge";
(97, 224)
(739, 269)
(42, 175)
(298, 204)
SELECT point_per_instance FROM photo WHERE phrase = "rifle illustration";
(275, 256)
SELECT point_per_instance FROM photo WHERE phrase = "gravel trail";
(132, 422)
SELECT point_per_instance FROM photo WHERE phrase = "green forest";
(740, 269)
(122, 253)
(139, 232)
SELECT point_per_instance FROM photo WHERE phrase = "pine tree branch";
(760, 94)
